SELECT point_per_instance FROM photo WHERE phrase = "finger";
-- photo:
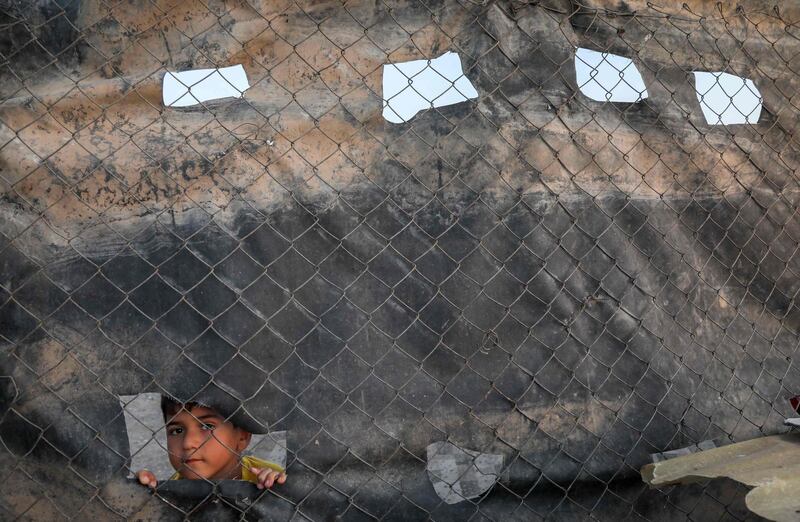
(255, 471)
(147, 479)
(262, 478)
(282, 478)
(271, 479)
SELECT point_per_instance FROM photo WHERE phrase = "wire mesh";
(498, 308)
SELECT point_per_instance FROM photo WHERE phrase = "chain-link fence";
(448, 260)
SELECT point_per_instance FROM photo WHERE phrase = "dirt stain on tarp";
(112, 124)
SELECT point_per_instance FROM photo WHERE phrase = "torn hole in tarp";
(187, 88)
(410, 87)
(144, 423)
(460, 474)
(608, 77)
(727, 99)
(793, 422)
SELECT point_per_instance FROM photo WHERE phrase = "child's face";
(202, 445)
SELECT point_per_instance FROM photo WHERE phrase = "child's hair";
(170, 407)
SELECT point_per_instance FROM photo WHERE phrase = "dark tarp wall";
(570, 284)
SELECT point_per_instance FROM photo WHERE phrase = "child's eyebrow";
(209, 416)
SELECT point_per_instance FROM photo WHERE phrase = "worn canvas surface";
(569, 284)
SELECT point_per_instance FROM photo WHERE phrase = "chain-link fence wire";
(497, 309)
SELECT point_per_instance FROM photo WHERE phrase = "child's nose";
(194, 439)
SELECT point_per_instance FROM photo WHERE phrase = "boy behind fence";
(204, 445)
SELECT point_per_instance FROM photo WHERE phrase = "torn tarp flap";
(694, 448)
(460, 474)
(767, 464)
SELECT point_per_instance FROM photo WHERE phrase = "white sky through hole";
(608, 77)
(410, 87)
(727, 99)
(186, 88)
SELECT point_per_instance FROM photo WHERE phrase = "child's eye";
(176, 430)
(208, 426)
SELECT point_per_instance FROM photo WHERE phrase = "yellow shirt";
(248, 461)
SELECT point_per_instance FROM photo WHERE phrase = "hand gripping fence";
(446, 260)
